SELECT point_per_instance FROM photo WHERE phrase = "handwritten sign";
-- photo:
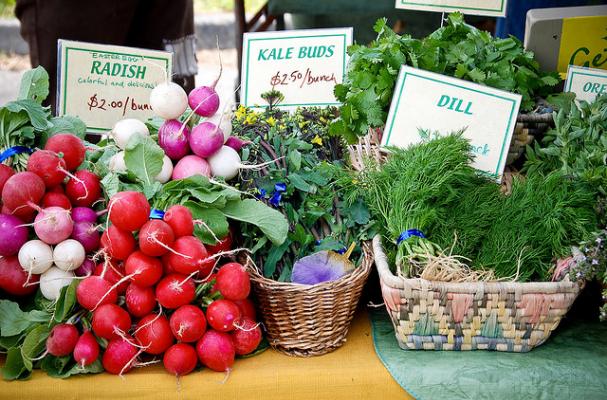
(583, 42)
(102, 84)
(494, 8)
(586, 83)
(304, 65)
(436, 103)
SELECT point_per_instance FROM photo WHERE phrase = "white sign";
(101, 84)
(436, 103)
(304, 65)
(493, 8)
(586, 83)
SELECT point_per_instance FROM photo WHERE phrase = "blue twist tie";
(13, 151)
(156, 214)
(409, 233)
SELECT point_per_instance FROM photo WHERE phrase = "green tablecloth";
(572, 364)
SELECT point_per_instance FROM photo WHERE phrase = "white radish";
(124, 129)
(167, 170)
(69, 255)
(117, 163)
(35, 257)
(226, 163)
(168, 100)
(53, 280)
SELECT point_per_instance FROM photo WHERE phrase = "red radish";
(12, 235)
(13, 277)
(156, 238)
(153, 332)
(86, 269)
(216, 351)
(84, 189)
(86, 351)
(246, 337)
(62, 340)
(211, 278)
(53, 199)
(174, 143)
(145, 270)
(189, 166)
(236, 143)
(119, 356)
(56, 189)
(223, 315)
(168, 100)
(189, 256)
(224, 244)
(188, 323)
(48, 166)
(70, 147)
(140, 301)
(5, 173)
(247, 308)
(118, 243)
(86, 233)
(175, 290)
(84, 214)
(233, 281)
(53, 225)
(109, 321)
(20, 191)
(206, 138)
(113, 274)
(180, 220)
(180, 359)
(95, 291)
(166, 265)
(129, 210)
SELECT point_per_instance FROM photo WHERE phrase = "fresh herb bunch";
(303, 183)
(25, 122)
(457, 49)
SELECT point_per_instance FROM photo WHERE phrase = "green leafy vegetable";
(13, 321)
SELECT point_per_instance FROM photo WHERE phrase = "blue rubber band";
(409, 233)
(13, 151)
(156, 214)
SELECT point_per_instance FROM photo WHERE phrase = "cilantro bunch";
(457, 50)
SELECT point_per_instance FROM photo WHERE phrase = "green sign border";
(574, 72)
(401, 84)
(412, 3)
(246, 88)
(64, 64)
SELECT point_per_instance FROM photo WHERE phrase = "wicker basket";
(502, 316)
(529, 126)
(302, 320)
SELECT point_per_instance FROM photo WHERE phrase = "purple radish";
(173, 139)
(236, 143)
(86, 269)
(84, 214)
(88, 236)
(206, 139)
(190, 166)
(204, 100)
(13, 235)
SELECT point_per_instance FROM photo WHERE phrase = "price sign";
(303, 65)
(425, 104)
(101, 84)
(586, 83)
(493, 8)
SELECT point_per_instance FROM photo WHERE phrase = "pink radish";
(84, 214)
(173, 139)
(223, 315)
(53, 225)
(129, 210)
(109, 321)
(216, 351)
(180, 359)
(13, 278)
(86, 351)
(246, 337)
(95, 291)
(145, 270)
(168, 100)
(83, 189)
(52, 199)
(180, 220)
(236, 143)
(233, 281)
(48, 166)
(21, 191)
(204, 100)
(62, 340)
(206, 139)
(86, 269)
(189, 166)
(189, 256)
(175, 290)
(86, 233)
(153, 332)
(119, 356)
(140, 301)
(118, 243)
(156, 238)
(13, 235)
(188, 323)
(69, 147)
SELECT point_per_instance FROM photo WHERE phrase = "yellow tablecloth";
(349, 373)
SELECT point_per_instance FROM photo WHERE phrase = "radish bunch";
(165, 274)
(53, 199)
